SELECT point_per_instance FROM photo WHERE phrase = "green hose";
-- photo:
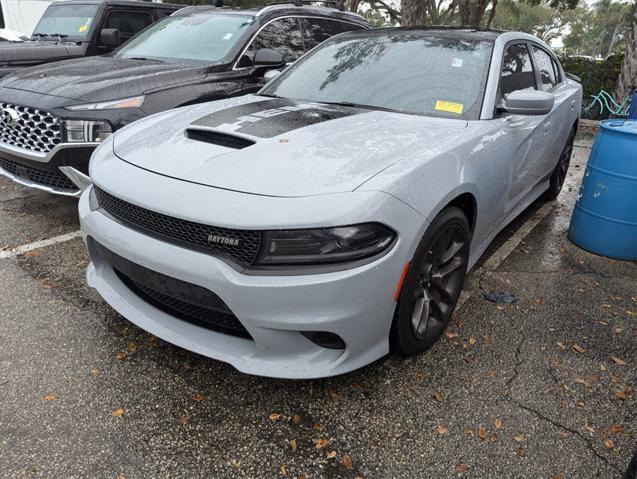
(606, 102)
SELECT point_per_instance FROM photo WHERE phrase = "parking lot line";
(39, 244)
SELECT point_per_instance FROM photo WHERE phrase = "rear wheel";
(559, 173)
(433, 284)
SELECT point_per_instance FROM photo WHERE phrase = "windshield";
(73, 21)
(405, 71)
(201, 37)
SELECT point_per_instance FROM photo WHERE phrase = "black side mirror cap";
(109, 37)
(268, 58)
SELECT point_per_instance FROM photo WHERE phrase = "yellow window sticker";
(83, 28)
(449, 106)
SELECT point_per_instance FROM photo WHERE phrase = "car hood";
(25, 53)
(94, 79)
(296, 148)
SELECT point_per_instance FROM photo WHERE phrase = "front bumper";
(356, 304)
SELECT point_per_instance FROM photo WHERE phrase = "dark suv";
(53, 116)
(75, 29)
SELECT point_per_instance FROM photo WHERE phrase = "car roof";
(120, 3)
(464, 33)
(278, 8)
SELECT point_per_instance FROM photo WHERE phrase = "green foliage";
(596, 75)
(535, 18)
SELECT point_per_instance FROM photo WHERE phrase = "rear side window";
(545, 66)
(317, 30)
(556, 68)
(517, 70)
(128, 23)
(282, 35)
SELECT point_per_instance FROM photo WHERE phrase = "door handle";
(572, 105)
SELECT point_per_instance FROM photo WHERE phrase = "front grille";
(38, 176)
(217, 138)
(29, 128)
(218, 321)
(186, 233)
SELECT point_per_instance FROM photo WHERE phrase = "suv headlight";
(86, 131)
(133, 102)
(324, 245)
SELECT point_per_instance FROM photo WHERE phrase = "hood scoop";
(218, 138)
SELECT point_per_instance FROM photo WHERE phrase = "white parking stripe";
(39, 244)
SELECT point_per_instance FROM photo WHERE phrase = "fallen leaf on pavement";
(347, 462)
(284, 470)
(132, 347)
(199, 397)
(561, 345)
(519, 437)
(275, 416)
(357, 385)
(621, 394)
(441, 430)
(472, 341)
(482, 432)
(439, 396)
(615, 428)
(119, 412)
(609, 444)
(296, 419)
(333, 393)
(293, 444)
(33, 254)
(95, 371)
(183, 420)
(498, 423)
(493, 438)
(321, 443)
(317, 426)
(460, 468)
(236, 464)
(539, 300)
(451, 335)
(331, 455)
(121, 356)
(618, 361)
(49, 397)
(578, 349)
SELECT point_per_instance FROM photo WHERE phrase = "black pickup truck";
(81, 28)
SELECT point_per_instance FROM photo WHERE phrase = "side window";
(350, 27)
(556, 68)
(128, 23)
(517, 70)
(317, 30)
(284, 36)
(545, 67)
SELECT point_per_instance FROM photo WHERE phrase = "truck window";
(128, 23)
(72, 21)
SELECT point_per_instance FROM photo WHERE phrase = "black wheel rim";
(440, 278)
(565, 160)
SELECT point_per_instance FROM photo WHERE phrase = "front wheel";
(433, 284)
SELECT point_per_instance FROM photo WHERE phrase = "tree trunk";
(627, 80)
(413, 12)
(472, 11)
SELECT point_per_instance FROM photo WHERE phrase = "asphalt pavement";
(540, 388)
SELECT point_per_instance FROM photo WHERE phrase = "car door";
(127, 22)
(283, 35)
(556, 125)
(527, 134)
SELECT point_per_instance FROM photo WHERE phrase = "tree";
(543, 21)
(628, 75)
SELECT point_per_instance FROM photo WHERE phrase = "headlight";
(324, 245)
(133, 102)
(84, 131)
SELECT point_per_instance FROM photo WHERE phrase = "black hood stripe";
(270, 118)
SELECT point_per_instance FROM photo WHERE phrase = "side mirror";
(528, 102)
(109, 37)
(271, 75)
(268, 58)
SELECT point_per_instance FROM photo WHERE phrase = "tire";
(433, 284)
(559, 173)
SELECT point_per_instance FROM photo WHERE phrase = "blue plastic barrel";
(605, 217)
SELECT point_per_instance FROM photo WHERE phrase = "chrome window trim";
(42, 157)
(298, 17)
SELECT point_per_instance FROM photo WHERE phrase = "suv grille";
(51, 179)
(29, 128)
(241, 245)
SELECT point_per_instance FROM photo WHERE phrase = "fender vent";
(218, 138)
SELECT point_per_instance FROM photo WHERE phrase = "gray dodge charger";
(312, 228)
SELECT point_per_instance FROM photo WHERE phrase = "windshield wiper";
(146, 59)
(269, 95)
(41, 35)
(358, 105)
(60, 36)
